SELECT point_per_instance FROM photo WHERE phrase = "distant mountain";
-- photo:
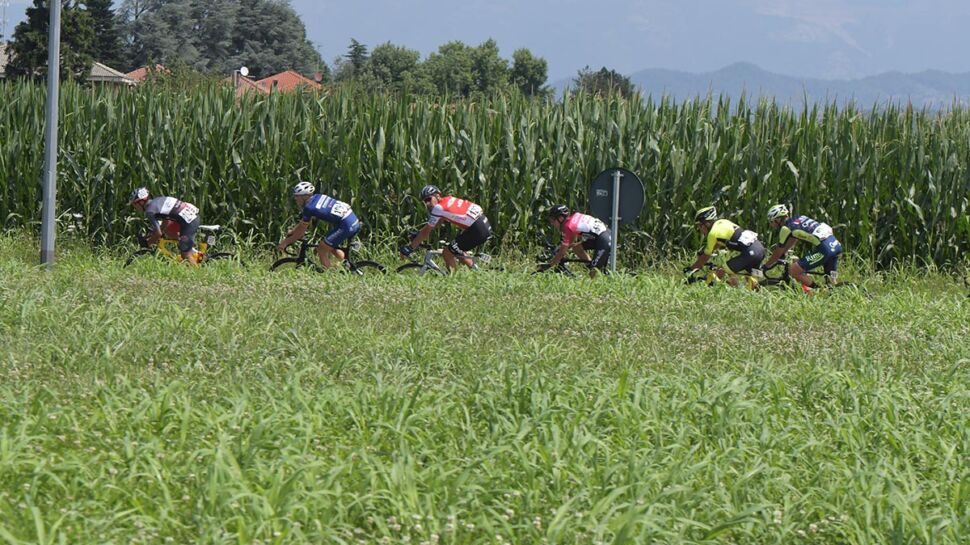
(931, 88)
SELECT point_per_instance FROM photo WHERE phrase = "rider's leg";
(187, 243)
(324, 251)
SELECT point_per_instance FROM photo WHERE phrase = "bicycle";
(545, 256)
(168, 248)
(428, 265)
(301, 258)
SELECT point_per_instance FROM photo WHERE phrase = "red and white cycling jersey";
(454, 210)
(581, 225)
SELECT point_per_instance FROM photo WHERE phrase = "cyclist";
(825, 252)
(170, 209)
(581, 232)
(721, 233)
(319, 206)
(465, 215)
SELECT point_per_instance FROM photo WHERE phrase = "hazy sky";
(815, 38)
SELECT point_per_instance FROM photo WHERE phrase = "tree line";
(268, 36)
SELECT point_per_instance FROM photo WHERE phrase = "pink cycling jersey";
(457, 211)
(581, 225)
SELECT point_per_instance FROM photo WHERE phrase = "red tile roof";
(245, 85)
(286, 81)
(140, 74)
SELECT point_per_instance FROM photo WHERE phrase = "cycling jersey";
(328, 209)
(460, 212)
(726, 234)
(581, 225)
(170, 208)
(804, 229)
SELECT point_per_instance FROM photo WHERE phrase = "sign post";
(50, 141)
(616, 196)
(615, 216)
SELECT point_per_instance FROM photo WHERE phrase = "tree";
(269, 37)
(395, 68)
(450, 69)
(489, 71)
(215, 22)
(28, 47)
(604, 82)
(529, 73)
(107, 37)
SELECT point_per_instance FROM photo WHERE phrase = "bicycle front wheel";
(367, 268)
(140, 253)
(220, 256)
(290, 264)
(416, 269)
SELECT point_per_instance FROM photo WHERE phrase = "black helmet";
(428, 191)
(708, 213)
(558, 211)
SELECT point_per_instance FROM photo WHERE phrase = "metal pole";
(615, 221)
(50, 137)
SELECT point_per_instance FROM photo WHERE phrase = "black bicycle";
(301, 259)
(548, 252)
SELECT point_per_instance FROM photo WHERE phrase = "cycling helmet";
(558, 211)
(708, 213)
(138, 194)
(303, 188)
(428, 191)
(777, 211)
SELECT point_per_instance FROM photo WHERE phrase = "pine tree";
(28, 47)
(107, 38)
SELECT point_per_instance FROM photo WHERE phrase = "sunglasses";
(428, 199)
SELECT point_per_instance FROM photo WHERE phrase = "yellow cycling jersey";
(725, 233)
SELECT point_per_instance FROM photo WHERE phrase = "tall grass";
(894, 182)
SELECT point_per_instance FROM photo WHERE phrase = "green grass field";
(162, 404)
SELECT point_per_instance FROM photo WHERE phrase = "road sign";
(615, 197)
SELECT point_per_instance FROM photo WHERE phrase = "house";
(140, 74)
(3, 60)
(246, 85)
(287, 81)
(107, 75)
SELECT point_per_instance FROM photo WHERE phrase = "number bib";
(188, 213)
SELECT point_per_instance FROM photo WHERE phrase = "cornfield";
(893, 181)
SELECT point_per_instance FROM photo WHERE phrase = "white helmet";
(303, 188)
(777, 211)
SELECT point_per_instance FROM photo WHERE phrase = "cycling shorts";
(343, 231)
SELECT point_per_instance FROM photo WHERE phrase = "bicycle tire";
(136, 255)
(220, 256)
(367, 268)
(414, 269)
(290, 264)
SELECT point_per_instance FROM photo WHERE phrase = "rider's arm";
(422, 235)
(294, 235)
(701, 260)
(156, 229)
(780, 251)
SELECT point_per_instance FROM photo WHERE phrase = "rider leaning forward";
(581, 232)
(464, 214)
(317, 206)
(825, 247)
(721, 233)
(184, 214)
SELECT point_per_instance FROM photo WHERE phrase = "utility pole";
(4, 4)
(47, 226)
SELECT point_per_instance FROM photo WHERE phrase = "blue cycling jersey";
(326, 208)
(805, 229)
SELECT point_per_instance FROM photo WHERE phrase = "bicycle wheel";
(416, 269)
(136, 255)
(220, 256)
(291, 264)
(366, 268)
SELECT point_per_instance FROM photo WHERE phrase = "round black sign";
(601, 196)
